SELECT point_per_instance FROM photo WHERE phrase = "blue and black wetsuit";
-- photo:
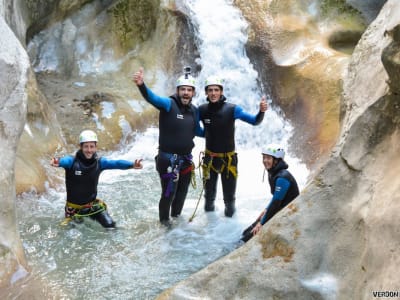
(178, 125)
(284, 189)
(81, 178)
(220, 156)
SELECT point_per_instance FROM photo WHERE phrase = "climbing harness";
(206, 167)
(174, 170)
(226, 159)
(77, 212)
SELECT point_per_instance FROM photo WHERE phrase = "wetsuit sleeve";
(240, 114)
(281, 188)
(155, 100)
(108, 164)
(199, 131)
(66, 162)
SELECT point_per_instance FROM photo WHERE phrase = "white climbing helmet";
(214, 80)
(87, 136)
(187, 80)
(274, 150)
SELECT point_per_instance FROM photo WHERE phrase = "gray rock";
(14, 66)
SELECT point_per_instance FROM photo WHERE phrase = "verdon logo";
(78, 172)
(207, 121)
(178, 116)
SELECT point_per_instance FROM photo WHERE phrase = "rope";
(96, 207)
(202, 189)
(197, 205)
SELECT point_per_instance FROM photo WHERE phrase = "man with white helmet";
(283, 185)
(218, 117)
(82, 173)
(178, 125)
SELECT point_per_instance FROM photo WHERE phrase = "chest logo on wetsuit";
(178, 116)
(207, 121)
(78, 172)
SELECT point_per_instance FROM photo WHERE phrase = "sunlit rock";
(302, 49)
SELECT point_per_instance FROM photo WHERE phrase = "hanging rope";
(201, 163)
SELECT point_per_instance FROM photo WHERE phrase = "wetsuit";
(81, 179)
(178, 125)
(284, 189)
(220, 156)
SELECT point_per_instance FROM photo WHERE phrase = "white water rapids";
(142, 258)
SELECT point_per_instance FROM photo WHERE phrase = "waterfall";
(142, 258)
(221, 37)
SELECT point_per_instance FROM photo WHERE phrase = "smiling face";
(186, 94)
(214, 93)
(268, 161)
(88, 149)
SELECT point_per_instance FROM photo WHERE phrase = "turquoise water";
(141, 258)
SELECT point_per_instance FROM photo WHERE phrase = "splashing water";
(221, 35)
(141, 258)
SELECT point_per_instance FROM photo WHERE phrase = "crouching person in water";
(81, 178)
(283, 185)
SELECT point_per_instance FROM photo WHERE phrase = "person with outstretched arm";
(284, 188)
(178, 125)
(82, 173)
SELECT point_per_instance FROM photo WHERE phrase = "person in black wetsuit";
(178, 125)
(218, 117)
(82, 173)
(283, 185)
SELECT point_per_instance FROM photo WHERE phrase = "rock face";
(14, 66)
(302, 48)
(83, 84)
(339, 239)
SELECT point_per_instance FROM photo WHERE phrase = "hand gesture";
(137, 164)
(263, 104)
(55, 162)
(138, 77)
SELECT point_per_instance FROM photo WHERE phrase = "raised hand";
(138, 77)
(55, 162)
(263, 104)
